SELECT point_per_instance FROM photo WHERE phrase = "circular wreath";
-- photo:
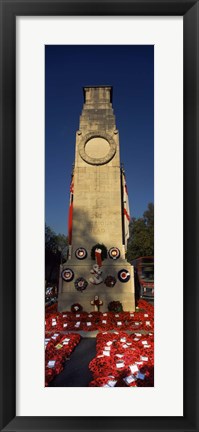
(81, 284)
(110, 281)
(97, 161)
(103, 249)
(124, 275)
(115, 306)
(114, 253)
(81, 253)
(76, 307)
(67, 275)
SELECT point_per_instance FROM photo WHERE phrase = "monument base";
(121, 291)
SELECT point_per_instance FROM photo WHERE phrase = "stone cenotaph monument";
(96, 272)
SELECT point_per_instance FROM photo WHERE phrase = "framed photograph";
(150, 52)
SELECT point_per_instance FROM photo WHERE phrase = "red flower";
(122, 355)
(58, 348)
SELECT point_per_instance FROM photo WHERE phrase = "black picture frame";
(10, 9)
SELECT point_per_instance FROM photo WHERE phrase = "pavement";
(76, 372)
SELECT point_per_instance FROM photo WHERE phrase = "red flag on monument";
(126, 210)
(70, 216)
(98, 257)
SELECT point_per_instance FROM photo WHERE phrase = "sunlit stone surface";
(97, 209)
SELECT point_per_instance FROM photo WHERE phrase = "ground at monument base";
(76, 373)
(124, 355)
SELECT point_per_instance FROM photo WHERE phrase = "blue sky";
(130, 70)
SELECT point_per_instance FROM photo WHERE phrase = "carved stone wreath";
(97, 161)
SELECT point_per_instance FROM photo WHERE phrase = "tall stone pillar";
(98, 210)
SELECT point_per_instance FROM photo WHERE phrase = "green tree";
(62, 246)
(148, 215)
(56, 246)
(141, 240)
